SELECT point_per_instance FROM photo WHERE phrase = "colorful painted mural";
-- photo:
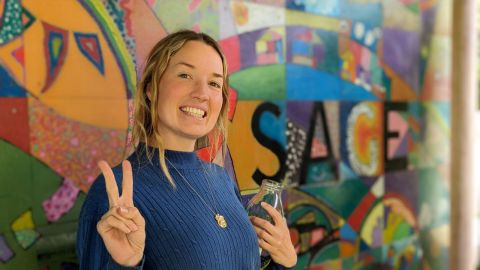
(346, 102)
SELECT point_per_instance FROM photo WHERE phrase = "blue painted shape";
(352, 91)
(55, 56)
(9, 87)
(346, 173)
(305, 83)
(347, 233)
(279, 47)
(274, 127)
(97, 58)
(300, 47)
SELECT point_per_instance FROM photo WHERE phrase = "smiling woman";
(176, 211)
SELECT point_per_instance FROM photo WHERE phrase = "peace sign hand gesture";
(122, 228)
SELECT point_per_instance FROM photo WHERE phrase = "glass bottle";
(271, 193)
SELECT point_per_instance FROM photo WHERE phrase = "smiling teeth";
(193, 111)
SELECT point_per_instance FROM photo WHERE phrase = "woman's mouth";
(195, 112)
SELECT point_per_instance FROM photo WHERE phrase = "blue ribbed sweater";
(181, 231)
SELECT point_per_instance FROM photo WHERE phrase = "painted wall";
(346, 101)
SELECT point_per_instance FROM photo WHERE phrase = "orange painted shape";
(247, 153)
(10, 54)
(80, 92)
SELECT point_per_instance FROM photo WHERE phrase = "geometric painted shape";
(14, 122)
(345, 172)
(270, 79)
(363, 207)
(26, 238)
(347, 233)
(372, 228)
(55, 44)
(23, 222)
(24, 229)
(401, 53)
(61, 201)
(378, 189)
(75, 153)
(9, 87)
(252, 16)
(306, 83)
(90, 47)
(11, 21)
(6, 252)
(19, 55)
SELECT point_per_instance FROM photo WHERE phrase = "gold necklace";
(219, 218)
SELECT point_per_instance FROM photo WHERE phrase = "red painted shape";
(356, 218)
(231, 49)
(14, 122)
(232, 100)
(19, 55)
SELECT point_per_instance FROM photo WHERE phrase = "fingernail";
(263, 203)
(124, 210)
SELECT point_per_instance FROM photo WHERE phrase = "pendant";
(221, 221)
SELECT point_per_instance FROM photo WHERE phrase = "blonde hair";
(145, 126)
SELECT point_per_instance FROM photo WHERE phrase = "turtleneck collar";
(179, 159)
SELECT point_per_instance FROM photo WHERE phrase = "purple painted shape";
(247, 47)
(401, 51)
(292, 33)
(299, 112)
(5, 252)
(404, 183)
(402, 149)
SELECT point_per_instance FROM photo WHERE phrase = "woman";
(181, 213)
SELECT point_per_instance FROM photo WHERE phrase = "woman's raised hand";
(122, 228)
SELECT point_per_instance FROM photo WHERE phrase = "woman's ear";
(149, 95)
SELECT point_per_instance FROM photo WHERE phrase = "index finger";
(110, 183)
(274, 213)
(127, 184)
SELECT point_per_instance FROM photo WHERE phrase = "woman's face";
(190, 95)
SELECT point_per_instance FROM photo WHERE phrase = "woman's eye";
(215, 84)
(184, 76)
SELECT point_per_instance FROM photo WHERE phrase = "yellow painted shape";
(371, 222)
(23, 222)
(7, 61)
(294, 17)
(80, 91)
(247, 153)
(261, 46)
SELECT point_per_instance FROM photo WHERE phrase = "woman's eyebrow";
(217, 75)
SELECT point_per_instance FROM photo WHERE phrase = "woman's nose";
(200, 90)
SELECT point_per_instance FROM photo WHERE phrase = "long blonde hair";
(145, 126)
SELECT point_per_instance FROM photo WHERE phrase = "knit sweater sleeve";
(91, 251)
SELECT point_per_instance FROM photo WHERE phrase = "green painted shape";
(343, 198)
(433, 193)
(56, 44)
(25, 183)
(299, 212)
(260, 83)
(414, 8)
(402, 231)
(320, 172)
(329, 252)
(26, 238)
(174, 15)
(302, 262)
